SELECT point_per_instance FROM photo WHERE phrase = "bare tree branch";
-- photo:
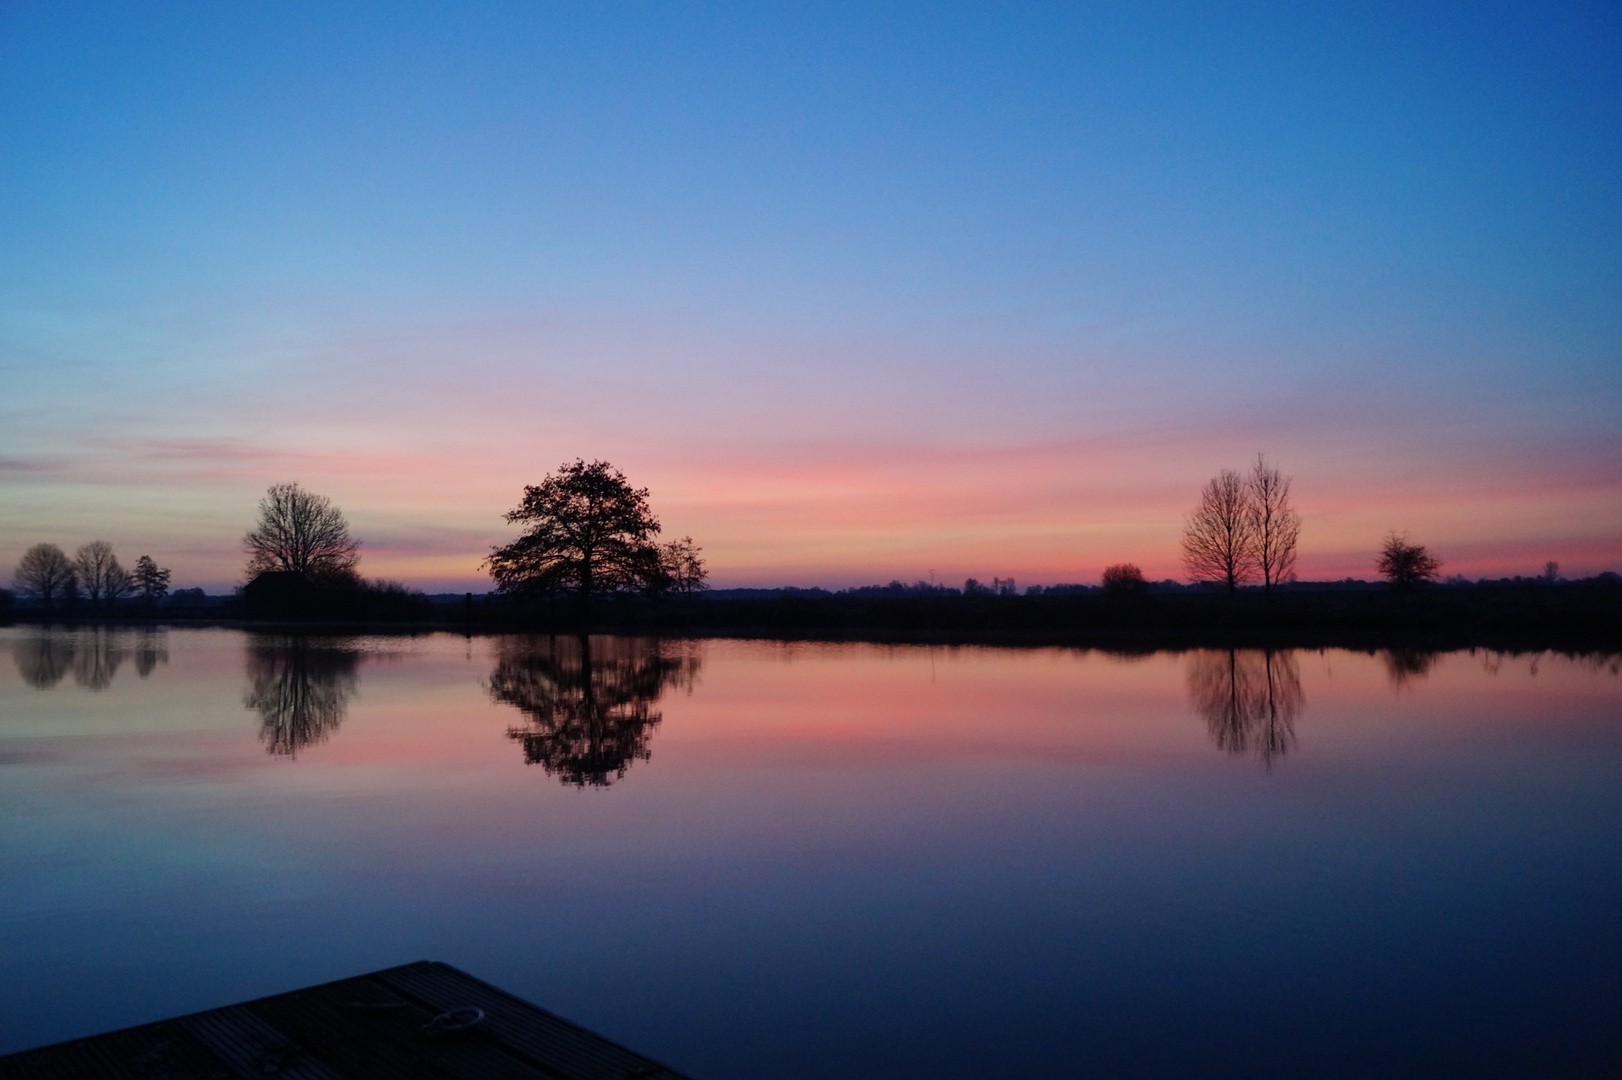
(1278, 526)
(302, 533)
(683, 566)
(1405, 564)
(102, 580)
(46, 573)
(1220, 538)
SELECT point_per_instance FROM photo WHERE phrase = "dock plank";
(573, 1051)
(368, 1026)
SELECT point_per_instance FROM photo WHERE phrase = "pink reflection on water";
(809, 837)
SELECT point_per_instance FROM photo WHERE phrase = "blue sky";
(859, 292)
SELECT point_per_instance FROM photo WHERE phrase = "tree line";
(92, 575)
(1246, 529)
(589, 535)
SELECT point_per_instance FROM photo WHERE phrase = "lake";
(767, 859)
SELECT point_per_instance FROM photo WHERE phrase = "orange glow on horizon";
(838, 515)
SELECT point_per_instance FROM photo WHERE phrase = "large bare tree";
(45, 573)
(1278, 526)
(1219, 540)
(303, 533)
(590, 533)
(1406, 564)
(101, 579)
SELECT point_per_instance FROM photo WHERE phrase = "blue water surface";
(757, 859)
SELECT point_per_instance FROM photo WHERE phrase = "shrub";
(1124, 579)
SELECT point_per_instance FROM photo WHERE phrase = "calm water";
(752, 859)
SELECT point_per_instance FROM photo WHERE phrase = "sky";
(858, 292)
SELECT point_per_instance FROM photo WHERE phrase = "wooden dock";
(422, 1021)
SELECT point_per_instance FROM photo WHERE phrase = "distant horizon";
(216, 589)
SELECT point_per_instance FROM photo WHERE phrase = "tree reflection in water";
(1249, 698)
(300, 687)
(43, 659)
(97, 655)
(1401, 665)
(151, 649)
(93, 654)
(588, 700)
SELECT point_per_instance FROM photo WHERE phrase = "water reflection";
(44, 659)
(1403, 665)
(96, 658)
(1598, 662)
(1250, 699)
(151, 649)
(301, 688)
(93, 654)
(858, 865)
(588, 700)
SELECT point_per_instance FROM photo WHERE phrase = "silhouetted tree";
(588, 701)
(46, 574)
(301, 533)
(300, 688)
(101, 579)
(1219, 539)
(1551, 573)
(1124, 579)
(590, 534)
(150, 580)
(1250, 699)
(1406, 565)
(1277, 525)
(684, 569)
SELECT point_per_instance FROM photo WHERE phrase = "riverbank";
(1580, 616)
(1576, 617)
